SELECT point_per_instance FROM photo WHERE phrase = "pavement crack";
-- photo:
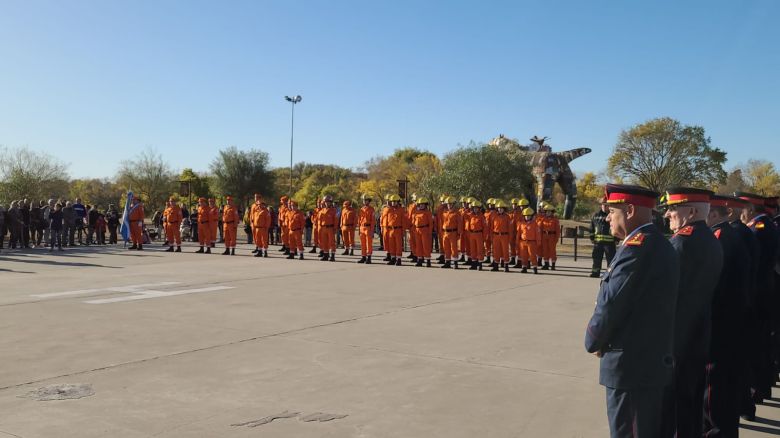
(267, 336)
(10, 434)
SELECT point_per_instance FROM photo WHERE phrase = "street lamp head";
(288, 98)
(294, 99)
(298, 99)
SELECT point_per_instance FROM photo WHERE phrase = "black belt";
(366, 225)
(476, 231)
(450, 230)
(327, 226)
(297, 229)
(395, 228)
(500, 234)
(228, 222)
(422, 226)
(348, 225)
(172, 223)
(205, 222)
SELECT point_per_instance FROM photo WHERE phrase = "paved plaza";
(191, 345)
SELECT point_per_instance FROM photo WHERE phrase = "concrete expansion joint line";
(10, 434)
(268, 336)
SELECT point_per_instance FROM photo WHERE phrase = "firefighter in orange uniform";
(213, 221)
(348, 220)
(515, 214)
(465, 212)
(327, 221)
(282, 225)
(410, 209)
(383, 228)
(551, 231)
(501, 226)
(315, 227)
(367, 222)
(136, 217)
(489, 214)
(397, 221)
(528, 236)
(172, 215)
(260, 218)
(422, 226)
(297, 222)
(439, 209)
(230, 226)
(477, 232)
(204, 227)
(253, 211)
(452, 228)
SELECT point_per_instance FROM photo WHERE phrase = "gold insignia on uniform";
(685, 231)
(636, 240)
(760, 226)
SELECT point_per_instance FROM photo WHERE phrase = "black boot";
(518, 264)
(487, 260)
(446, 265)
(346, 252)
(410, 256)
(495, 267)
(524, 270)
(479, 266)
(140, 247)
(506, 267)
(226, 252)
(265, 253)
(286, 251)
(178, 249)
(313, 250)
(440, 259)
(470, 262)
(300, 256)
(259, 253)
(170, 249)
(552, 267)
(387, 258)
(502, 264)
(291, 256)
(419, 263)
(283, 248)
(333, 257)
(428, 263)
(455, 265)
(368, 260)
(351, 251)
(390, 261)
(535, 271)
(473, 267)
(133, 247)
(546, 266)
(595, 275)
(398, 261)
(256, 250)
(462, 258)
(362, 259)
(512, 261)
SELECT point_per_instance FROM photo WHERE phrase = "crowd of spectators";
(61, 223)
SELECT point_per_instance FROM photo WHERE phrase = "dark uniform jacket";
(631, 322)
(701, 260)
(753, 249)
(764, 230)
(599, 228)
(729, 300)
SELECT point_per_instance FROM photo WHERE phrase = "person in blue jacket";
(631, 330)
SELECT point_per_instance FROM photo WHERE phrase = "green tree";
(28, 174)
(589, 190)
(414, 165)
(735, 182)
(95, 191)
(317, 180)
(148, 176)
(199, 185)
(483, 172)
(762, 177)
(663, 153)
(241, 174)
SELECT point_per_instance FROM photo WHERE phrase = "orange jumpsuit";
(252, 213)
(327, 221)
(214, 224)
(452, 228)
(527, 241)
(367, 222)
(477, 231)
(230, 225)
(489, 215)
(260, 218)
(516, 216)
(397, 221)
(422, 228)
(439, 235)
(551, 231)
(136, 217)
(204, 227)
(501, 226)
(383, 227)
(173, 218)
(315, 227)
(297, 222)
(410, 209)
(283, 225)
(465, 241)
(348, 217)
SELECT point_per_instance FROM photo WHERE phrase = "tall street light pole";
(293, 100)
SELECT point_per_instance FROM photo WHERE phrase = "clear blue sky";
(93, 81)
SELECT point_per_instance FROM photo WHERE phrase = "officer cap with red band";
(627, 194)
(727, 201)
(751, 198)
(684, 195)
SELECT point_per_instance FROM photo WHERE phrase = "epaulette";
(685, 231)
(717, 233)
(636, 240)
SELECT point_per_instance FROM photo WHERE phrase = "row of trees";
(658, 154)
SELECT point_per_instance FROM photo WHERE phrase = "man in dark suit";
(726, 358)
(755, 217)
(630, 329)
(701, 260)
